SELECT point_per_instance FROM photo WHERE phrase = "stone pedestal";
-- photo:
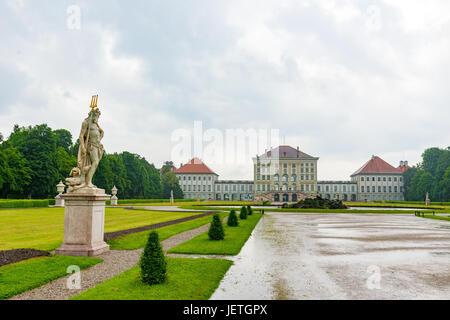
(114, 201)
(59, 202)
(84, 221)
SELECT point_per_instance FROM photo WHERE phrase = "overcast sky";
(343, 80)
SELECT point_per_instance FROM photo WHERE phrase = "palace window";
(395, 189)
(294, 178)
(373, 188)
(285, 178)
(276, 178)
(379, 189)
(362, 178)
(362, 188)
(276, 187)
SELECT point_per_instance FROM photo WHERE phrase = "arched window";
(285, 178)
(285, 187)
(276, 178)
(276, 187)
(294, 187)
(276, 197)
(294, 197)
(285, 197)
(294, 178)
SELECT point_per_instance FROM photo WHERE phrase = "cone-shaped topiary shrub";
(153, 263)
(249, 210)
(243, 213)
(232, 219)
(216, 231)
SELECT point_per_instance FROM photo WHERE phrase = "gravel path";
(115, 262)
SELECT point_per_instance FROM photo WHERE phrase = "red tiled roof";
(194, 166)
(403, 168)
(285, 152)
(376, 165)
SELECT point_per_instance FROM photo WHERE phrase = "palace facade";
(286, 174)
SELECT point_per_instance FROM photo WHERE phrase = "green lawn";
(436, 217)
(255, 208)
(187, 279)
(29, 274)
(43, 228)
(235, 238)
(138, 240)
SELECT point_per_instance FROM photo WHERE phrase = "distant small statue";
(171, 196)
(90, 151)
(427, 200)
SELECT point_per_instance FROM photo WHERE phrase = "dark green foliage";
(34, 159)
(216, 231)
(26, 203)
(243, 213)
(432, 176)
(232, 219)
(249, 210)
(153, 262)
(316, 203)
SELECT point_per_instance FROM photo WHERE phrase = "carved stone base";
(84, 222)
(59, 202)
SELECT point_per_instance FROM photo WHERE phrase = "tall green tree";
(38, 146)
(15, 174)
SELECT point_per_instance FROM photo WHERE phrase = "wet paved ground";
(342, 256)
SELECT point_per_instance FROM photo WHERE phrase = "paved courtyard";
(342, 256)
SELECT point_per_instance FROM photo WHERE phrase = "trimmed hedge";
(153, 264)
(232, 219)
(127, 201)
(414, 202)
(5, 203)
(216, 231)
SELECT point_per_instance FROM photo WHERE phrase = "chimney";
(406, 163)
(401, 164)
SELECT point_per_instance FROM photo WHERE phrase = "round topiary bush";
(243, 213)
(232, 219)
(216, 231)
(249, 210)
(153, 263)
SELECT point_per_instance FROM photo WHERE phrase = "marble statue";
(90, 151)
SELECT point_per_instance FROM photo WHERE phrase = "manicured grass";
(138, 240)
(436, 217)
(43, 228)
(187, 279)
(255, 208)
(199, 204)
(395, 205)
(29, 274)
(235, 238)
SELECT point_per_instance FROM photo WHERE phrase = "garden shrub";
(153, 263)
(24, 203)
(243, 213)
(216, 231)
(232, 219)
(249, 210)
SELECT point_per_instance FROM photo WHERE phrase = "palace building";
(286, 174)
(196, 180)
(378, 180)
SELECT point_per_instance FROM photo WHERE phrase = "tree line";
(432, 175)
(34, 159)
